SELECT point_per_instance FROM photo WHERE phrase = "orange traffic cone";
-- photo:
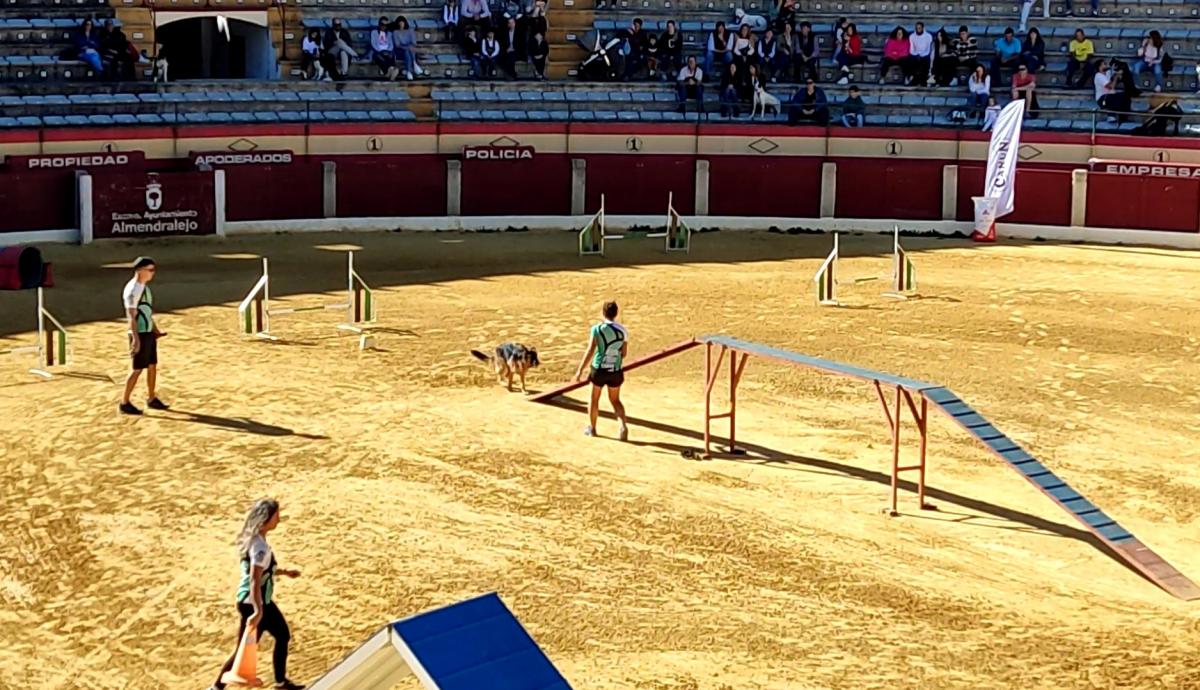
(245, 662)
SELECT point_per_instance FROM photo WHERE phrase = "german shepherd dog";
(510, 359)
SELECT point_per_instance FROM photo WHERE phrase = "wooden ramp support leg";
(903, 398)
(737, 364)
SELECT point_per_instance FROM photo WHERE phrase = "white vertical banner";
(999, 184)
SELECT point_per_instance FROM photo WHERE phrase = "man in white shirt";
(691, 84)
(1102, 82)
(489, 53)
(920, 51)
(143, 335)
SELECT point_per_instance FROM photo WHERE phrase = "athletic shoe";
(624, 433)
(843, 81)
(156, 404)
(589, 431)
(128, 408)
(288, 685)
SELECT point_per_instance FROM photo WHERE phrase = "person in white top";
(1151, 56)
(489, 54)
(690, 84)
(311, 65)
(920, 51)
(608, 346)
(450, 17)
(138, 301)
(980, 87)
(1102, 83)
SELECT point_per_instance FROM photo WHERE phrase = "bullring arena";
(409, 480)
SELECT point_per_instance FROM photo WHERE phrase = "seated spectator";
(539, 50)
(839, 35)
(534, 22)
(945, 59)
(966, 49)
(769, 58)
(805, 53)
(1095, 8)
(720, 49)
(1024, 86)
(310, 60)
(405, 41)
(383, 49)
(785, 15)
(670, 50)
(979, 85)
(895, 54)
(117, 52)
(510, 48)
(751, 84)
(652, 52)
(920, 51)
(1033, 51)
(1150, 55)
(476, 13)
(489, 54)
(451, 15)
(785, 52)
(87, 48)
(1008, 54)
(473, 49)
(850, 53)
(743, 47)
(634, 48)
(690, 83)
(1110, 94)
(990, 115)
(731, 91)
(337, 48)
(809, 105)
(854, 111)
(1079, 54)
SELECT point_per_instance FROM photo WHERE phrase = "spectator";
(670, 50)
(1024, 86)
(809, 105)
(851, 53)
(489, 54)
(785, 50)
(652, 52)
(538, 52)
(731, 87)
(405, 41)
(785, 14)
(1033, 51)
(1026, 8)
(337, 47)
(895, 54)
(805, 54)
(1095, 8)
(1150, 55)
(473, 49)
(1080, 51)
(310, 62)
(383, 49)
(920, 51)
(990, 115)
(510, 48)
(966, 49)
(839, 36)
(854, 111)
(534, 22)
(979, 85)
(477, 13)
(117, 52)
(451, 15)
(743, 47)
(770, 59)
(87, 48)
(1008, 54)
(945, 60)
(635, 48)
(752, 83)
(720, 47)
(1111, 95)
(690, 83)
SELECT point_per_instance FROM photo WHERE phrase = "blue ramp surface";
(475, 645)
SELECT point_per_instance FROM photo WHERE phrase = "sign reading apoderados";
(153, 204)
(224, 159)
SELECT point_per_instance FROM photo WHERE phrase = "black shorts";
(147, 353)
(604, 377)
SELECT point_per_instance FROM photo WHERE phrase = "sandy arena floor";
(410, 480)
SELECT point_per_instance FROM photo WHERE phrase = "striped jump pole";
(904, 272)
(679, 235)
(51, 344)
(255, 311)
(360, 307)
(826, 278)
(592, 236)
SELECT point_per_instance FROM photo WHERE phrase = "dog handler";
(255, 596)
(607, 347)
(143, 335)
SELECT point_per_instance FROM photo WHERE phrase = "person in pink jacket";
(895, 54)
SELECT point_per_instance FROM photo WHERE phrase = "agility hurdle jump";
(255, 311)
(51, 347)
(904, 274)
(678, 235)
(899, 393)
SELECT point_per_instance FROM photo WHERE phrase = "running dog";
(763, 101)
(510, 359)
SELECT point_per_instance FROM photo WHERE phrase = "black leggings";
(272, 622)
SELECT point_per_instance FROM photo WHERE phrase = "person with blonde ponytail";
(255, 595)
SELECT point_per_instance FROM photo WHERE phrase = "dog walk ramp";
(1127, 546)
(472, 645)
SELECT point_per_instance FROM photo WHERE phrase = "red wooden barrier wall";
(754, 186)
(1043, 196)
(379, 187)
(1150, 203)
(889, 188)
